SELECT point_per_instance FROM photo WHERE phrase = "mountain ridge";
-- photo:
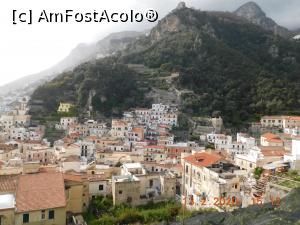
(85, 52)
(81, 53)
(229, 67)
(253, 13)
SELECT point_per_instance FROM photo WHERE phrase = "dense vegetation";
(102, 212)
(105, 85)
(234, 68)
(231, 68)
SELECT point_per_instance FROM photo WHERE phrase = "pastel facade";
(206, 177)
(64, 107)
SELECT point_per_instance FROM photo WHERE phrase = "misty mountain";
(80, 54)
(252, 12)
(228, 66)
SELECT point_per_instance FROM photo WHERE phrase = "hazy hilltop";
(80, 54)
(228, 66)
(118, 41)
(252, 12)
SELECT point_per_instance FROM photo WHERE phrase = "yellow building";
(64, 107)
(77, 193)
(137, 186)
(40, 199)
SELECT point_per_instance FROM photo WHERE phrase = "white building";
(269, 139)
(294, 157)
(66, 122)
(87, 150)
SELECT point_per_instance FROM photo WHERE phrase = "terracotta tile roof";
(40, 191)
(203, 159)
(97, 177)
(48, 168)
(8, 183)
(73, 177)
(269, 135)
(74, 135)
(119, 122)
(296, 118)
(71, 158)
(6, 147)
(272, 137)
(271, 148)
(68, 140)
(156, 146)
(276, 140)
(137, 129)
(273, 152)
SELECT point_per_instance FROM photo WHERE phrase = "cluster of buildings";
(135, 159)
(289, 124)
(15, 124)
(228, 172)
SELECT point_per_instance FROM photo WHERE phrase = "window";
(120, 192)
(51, 214)
(151, 183)
(233, 199)
(25, 218)
(129, 199)
(101, 187)
(43, 216)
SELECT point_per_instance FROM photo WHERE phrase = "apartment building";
(137, 186)
(208, 176)
(269, 139)
(40, 199)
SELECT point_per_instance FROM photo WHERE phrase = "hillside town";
(135, 159)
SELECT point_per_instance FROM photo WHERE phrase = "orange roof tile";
(269, 135)
(137, 129)
(296, 118)
(203, 159)
(72, 177)
(273, 152)
(40, 191)
(272, 137)
(6, 147)
(72, 158)
(8, 183)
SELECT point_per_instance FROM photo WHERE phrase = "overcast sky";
(30, 49)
